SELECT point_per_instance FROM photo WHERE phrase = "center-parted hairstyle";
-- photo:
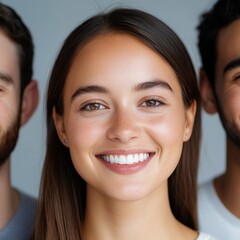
(62, 200)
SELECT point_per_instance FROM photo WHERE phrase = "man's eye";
(237, 77)
(92, 107)
(152, 103)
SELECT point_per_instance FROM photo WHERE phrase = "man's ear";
(206, 91)
(59, 125)
(30, 99)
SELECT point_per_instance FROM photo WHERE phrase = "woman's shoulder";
(204, 236)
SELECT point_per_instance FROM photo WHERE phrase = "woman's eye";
(152, 103)
(1, 90)
(92, 107)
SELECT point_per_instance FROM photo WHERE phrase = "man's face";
(8, 141)
(227, 84)
(9, 96)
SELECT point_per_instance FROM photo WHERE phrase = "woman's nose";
(124, 127)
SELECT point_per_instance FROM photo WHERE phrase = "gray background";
(50, 21)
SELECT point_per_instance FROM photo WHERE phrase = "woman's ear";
(59, 125)
(30, 99)
(190, 116)
(206, 91)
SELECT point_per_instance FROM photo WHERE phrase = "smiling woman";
(123, 134)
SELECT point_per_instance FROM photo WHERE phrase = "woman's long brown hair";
(60, 213)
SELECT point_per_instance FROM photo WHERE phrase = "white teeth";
(126, 159)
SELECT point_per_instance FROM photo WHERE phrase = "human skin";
(9, 109)
(226, 102)
(9, 85)
(135, 107)
(228, 92)
(228, 78)
(13, 114)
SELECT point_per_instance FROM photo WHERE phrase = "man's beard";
(231, 129)
(8, 140)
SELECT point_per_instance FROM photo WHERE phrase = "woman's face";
(124, 117)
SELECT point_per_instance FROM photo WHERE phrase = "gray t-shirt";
(21, 225)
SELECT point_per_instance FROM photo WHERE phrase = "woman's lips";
(123, 157)
(125, 163)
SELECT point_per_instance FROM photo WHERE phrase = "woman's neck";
(147, 218)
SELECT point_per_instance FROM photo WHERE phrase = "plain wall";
(50, 21)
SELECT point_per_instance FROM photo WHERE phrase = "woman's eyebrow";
(139, 87)
(152, 84)
(88, 89)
